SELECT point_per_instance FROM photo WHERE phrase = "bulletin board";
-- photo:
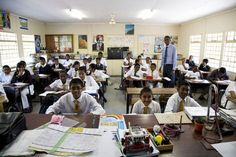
(146, 44)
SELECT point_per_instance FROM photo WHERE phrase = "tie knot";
(76, 101)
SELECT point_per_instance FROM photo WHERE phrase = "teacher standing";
(168, 62)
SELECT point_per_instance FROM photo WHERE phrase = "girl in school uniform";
(23, 75)
(154, 74)
(76, 101)
(146, 105)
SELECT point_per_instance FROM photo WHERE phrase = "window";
(28, 47)
(194, 47)
(213, 49)
(9, 53)
(229, 57)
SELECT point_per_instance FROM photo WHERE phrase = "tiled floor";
(116, 99)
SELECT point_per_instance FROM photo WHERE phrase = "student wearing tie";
(76, 101)
(136, 74)
(61, 84)
(155, 74)
(179, 100)
(168, 62)
(89, 81)
(67, 63)
(146, 105)
(74, 71)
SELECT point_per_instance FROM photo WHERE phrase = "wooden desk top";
(187, 144)
(154, 90)
(34, 120)
(223, 82)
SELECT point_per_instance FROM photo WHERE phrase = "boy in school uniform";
(229, 92)
(57, 65)
(99, 65)
(76, 101)
(135, 73)
(204, 67)
(44, 67)
(6, 76)
(102, 60)
(146, 105)
(147, 63)
(61, 84)
(67, 63)
(74, 71)
(218, 74)
(179, 100)
(128, 61)
(194, 74)
(97, 74)
(89, 81)
(154, 74)
(85, 63)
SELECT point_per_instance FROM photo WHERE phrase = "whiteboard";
(120, 41)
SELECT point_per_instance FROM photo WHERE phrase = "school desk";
(155, 91)
(16, 88)
(187, 144)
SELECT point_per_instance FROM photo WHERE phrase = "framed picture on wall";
(83, 42)
(129, 29)
(23, 23)
(98, 44)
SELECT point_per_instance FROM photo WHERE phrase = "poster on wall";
(23, 23)
(129, 29)
(6, 22)
(98, 44)
(83, 44)
(159, 44)
(37, 40)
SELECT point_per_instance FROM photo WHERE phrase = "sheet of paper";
(229, 112)
(172, 118)
(64, 140)
(226, 149)
(19, 147)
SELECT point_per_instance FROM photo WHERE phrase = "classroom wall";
(219, 22)
(34, 27)
(108, 30)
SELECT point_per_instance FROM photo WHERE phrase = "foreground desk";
(187, 144)
(155, 91)
(34, 120)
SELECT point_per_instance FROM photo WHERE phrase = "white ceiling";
(126, 11)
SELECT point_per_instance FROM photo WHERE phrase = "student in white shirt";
(103, 60)
(90, 83)
(128, 61)
(146, 105)
(61, 84)
(183, 67)
(154, 74)
(147, 63)
(67, 63)
(76, 101)
(179, 100)
(85, 63)
(97, 74)
(229, 92)
(74, 71)
(6, 76)
(194, 74)
(2, 92)
(135, 74)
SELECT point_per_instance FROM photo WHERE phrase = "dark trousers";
(168, 72)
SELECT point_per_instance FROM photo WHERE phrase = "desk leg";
(127, 103)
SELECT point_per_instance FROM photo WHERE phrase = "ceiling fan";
(112, 20)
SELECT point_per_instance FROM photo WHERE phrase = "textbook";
(194, 112)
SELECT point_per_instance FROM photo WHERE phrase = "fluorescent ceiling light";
(75, 13)
(147, 13)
